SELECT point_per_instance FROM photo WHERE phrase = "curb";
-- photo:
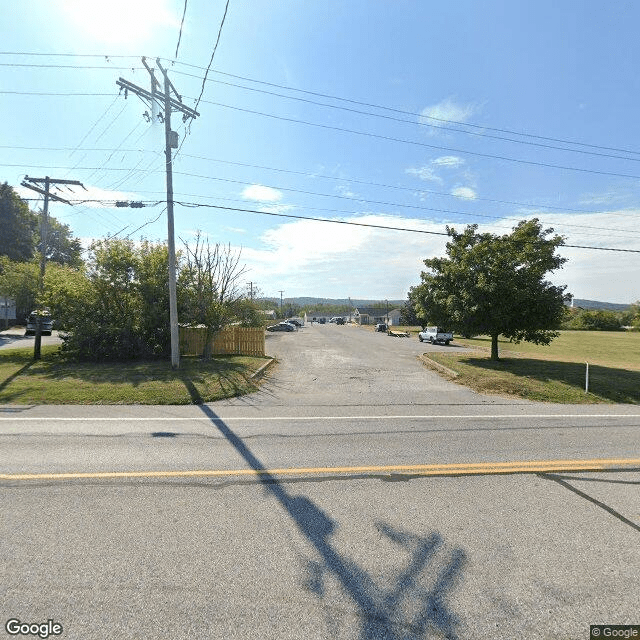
(436, 366)
(262, 369)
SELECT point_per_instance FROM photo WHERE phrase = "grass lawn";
(555, 373)
(54, 380)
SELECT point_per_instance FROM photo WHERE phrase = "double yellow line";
(426, 470)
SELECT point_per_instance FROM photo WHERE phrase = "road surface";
(356, 495)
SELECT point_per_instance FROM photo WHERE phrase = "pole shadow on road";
(405, 608)
(562, 481)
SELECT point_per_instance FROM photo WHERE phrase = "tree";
(62, 247)
(409, 316)
(18, 224)
(19, 280)
(495, 285)
(210, 285)
(596, 320)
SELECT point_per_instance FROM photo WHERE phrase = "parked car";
(381, 326)
(46, 323)
(282, 326)
(339, 320)
(435, 335)
(322, 321)
(295, 321)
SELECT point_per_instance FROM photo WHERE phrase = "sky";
(370, 114)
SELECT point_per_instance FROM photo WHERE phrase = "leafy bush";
(599, 320)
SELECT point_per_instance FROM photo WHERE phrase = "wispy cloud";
(260, 193)
(444, 113)
(426, 173)
(429, 172)
(464, 192)
(448, 161)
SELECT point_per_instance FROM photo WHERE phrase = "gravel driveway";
(328, 365)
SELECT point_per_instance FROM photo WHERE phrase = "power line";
(365, 224)
(368, 201)
(424, 144)
(423, 124)
(184, 12)
(312, 174)
(481, 127)
(351, 198)
(412, 113)
(215, 48)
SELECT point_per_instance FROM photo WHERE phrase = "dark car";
(339, 320)
(46, 323)
(294, 321)
(381, 326)
(281, 326)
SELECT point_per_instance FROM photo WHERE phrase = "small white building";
(376, 315)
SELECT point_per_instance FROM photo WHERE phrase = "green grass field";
(554, 373)
(54, 380)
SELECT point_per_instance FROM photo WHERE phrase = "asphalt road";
(315, 508)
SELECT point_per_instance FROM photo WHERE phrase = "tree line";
(114, 303)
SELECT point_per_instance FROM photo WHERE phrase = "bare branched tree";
(210, 283)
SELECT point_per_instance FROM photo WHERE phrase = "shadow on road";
(562, 481)
(405, 608)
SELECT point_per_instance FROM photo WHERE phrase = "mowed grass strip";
(555, 373)
(55, 380)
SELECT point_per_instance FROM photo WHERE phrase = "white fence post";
(586, 381)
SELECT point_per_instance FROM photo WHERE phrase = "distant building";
(7, 310)
(271, 314)
(375, 315)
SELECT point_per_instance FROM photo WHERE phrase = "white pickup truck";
(435, 335)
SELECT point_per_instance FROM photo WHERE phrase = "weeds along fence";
(238, 341)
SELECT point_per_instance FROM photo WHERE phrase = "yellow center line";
(463, 468)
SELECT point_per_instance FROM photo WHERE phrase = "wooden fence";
(240, 341)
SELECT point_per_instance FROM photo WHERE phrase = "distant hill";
(355, 302)
(307, 301)
(594, 304)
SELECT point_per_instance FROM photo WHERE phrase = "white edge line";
(310, 418)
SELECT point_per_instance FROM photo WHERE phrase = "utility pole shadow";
(406, 610)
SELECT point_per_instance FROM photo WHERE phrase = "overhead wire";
(184, 13)
(413, 113)
(314, 175)
(424, 144)
(365, 224)
(480, 127)
(424, 124)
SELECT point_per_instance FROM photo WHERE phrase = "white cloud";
(261, 193)
(315, 258)
(426, 173)
(445, 113)
(464, 192)
(448, 161)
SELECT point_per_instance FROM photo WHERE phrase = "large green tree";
(62, 247)
(18, 226)
(495, 285)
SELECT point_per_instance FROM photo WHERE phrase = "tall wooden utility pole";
(164, 100)
(30, 183)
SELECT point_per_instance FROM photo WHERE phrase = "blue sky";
(405, 114)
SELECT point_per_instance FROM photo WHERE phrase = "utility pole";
(250, 291)
(165, 101)
(281, 292)
(30, 183)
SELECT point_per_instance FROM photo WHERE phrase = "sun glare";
(119, 22)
